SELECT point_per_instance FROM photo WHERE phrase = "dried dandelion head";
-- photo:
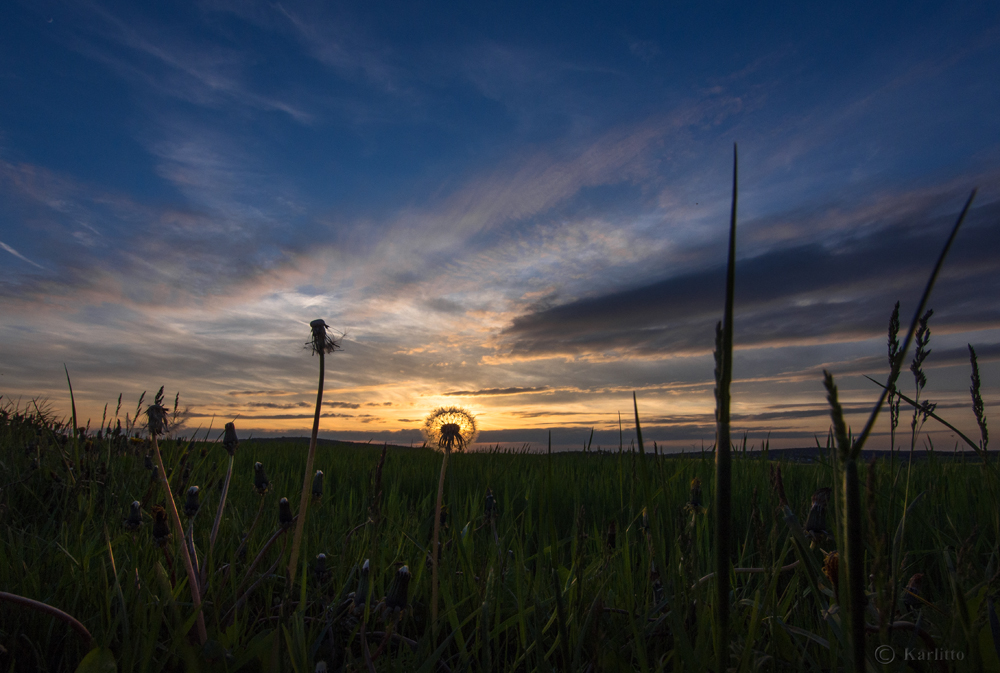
(161, 529)
(321, 342)
(694, 505)
(191, 502)
(260, 480)
(816, 527)
(317, 487)
(134, 519)
(285, 517)
(397, 596)
(912, 595)
(450, 429)
(360, 595)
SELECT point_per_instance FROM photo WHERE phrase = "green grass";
(551, 596)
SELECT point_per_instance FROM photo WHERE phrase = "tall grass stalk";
(723, 460)
(849, 453)
(157, 423)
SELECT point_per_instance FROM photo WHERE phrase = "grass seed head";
(321, 342)
(157, 419)
(230, 441)
(191, 503)
(450, 429)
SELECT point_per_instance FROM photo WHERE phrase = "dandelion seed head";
(450, 429)
(321, 342)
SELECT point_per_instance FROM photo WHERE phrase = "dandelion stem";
(434, 549)
(304, 500)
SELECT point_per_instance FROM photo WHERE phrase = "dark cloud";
(342, 405)
(806, 293)
(274, 405)
(498, 391)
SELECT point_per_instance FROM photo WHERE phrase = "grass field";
(567, 573)
(615, 561)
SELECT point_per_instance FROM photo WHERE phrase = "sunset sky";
(516, 208)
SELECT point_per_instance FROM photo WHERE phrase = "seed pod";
(492, 510)
(694, 502)
(284, 513)
(831, 568)
(912, 595)
(230, 441)
(134, 519)
(396, 596)
(815, 526)
(161, 529)
(360, 595)
(319, 568)
(318, 485)
(191, 503)
(260, 481)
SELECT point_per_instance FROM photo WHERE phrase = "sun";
(450, 429)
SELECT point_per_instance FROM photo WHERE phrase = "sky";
(521, 209)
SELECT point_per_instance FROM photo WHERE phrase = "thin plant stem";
(49, 610)
(188, 565)
(434, 548)
(723, 460)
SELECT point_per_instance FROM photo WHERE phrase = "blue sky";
(521, 209)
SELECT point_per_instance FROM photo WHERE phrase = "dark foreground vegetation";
(548, 562)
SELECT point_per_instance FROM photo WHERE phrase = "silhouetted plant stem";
(723, 460)
(49, 610)
(179, 527)
(435, 555)
(859, 442)
(321, 344)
